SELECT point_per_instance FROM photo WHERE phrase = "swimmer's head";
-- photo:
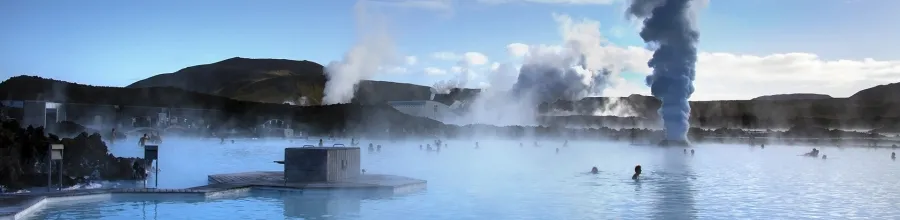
(595, 170)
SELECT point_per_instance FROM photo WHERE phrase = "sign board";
(151, 152)
(56, 151)
(56, 155)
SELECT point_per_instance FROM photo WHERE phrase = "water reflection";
(674, 192)
(321, 204)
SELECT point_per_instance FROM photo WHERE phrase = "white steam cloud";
(580, 67)
(373, 49)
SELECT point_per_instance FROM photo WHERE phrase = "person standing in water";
(692, 152)
(476, 145)
(143, 140)
(112, 136)
(893, 155)
(557, 150)
(321, 144)
(637, 172)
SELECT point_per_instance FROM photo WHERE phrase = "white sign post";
(151, 153)
(56, 154)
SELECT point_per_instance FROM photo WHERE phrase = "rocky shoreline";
(24, 152)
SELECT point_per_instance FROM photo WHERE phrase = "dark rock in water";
(23, 154)
(68, 129)
(71, 129)
(674, 143)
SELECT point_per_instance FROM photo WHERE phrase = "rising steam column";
(670, 26)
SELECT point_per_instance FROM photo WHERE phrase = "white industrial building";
(426, 108)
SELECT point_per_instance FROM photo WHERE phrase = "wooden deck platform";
(222, 186)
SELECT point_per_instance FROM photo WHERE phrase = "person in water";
(378, 148)
(557, 150)
(420, 147)
(371, 147)
(321, 144)
(565, 144)
(594, 170)
(685, 151)
(637, 171)
(112, 136)
(893, 155)
(692, 152)
(428, 147)
(824, 156)
(763, 146)
(143, 140)
(476, 145)
(813, 153)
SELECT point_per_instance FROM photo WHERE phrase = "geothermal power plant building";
(426, 108)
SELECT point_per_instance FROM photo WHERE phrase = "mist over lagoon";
(502, 180)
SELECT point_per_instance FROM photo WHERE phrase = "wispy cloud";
(437, 5)
(447, 5)
(434, 71)
(446, 56)
(566, 2)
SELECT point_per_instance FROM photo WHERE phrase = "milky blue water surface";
(503, 181)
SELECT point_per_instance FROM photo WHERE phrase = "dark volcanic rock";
(796, 96)
(23, 154)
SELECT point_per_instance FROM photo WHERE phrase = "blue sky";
(114, 43)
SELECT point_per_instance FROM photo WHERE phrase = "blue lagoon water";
(503, 181)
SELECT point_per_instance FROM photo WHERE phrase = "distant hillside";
(275, 81)
(260, 80)
(878, 95)
(796, 96)
(319, 119)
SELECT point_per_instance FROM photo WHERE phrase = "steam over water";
(669, 26)
(503, 181)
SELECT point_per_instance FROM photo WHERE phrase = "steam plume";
(373, 49)
(669, 27)
(548, 82)
(577, 69)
